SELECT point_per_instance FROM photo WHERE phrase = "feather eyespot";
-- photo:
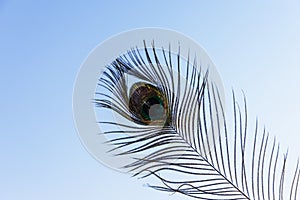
(148, 104)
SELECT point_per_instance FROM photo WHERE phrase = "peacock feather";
(169, 121)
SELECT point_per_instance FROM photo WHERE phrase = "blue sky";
(255, 46)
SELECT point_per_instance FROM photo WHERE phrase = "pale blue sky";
(254, 44)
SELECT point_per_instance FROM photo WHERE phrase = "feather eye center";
(148, 104)
(153, 108)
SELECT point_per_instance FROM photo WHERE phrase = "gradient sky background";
(254, 44)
